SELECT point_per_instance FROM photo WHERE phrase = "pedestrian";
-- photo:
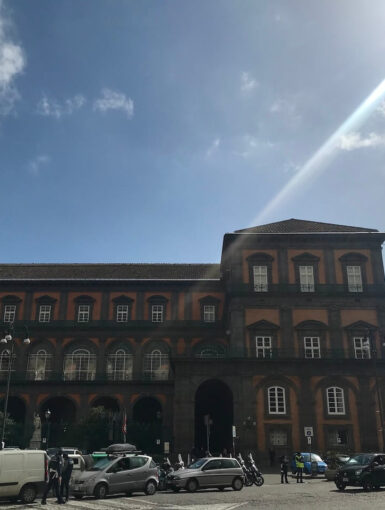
(68, 465)
(299, 465)
(272, 456)
(284, 462)
(55, 466)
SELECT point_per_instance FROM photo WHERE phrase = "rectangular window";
(9, 313)
(277, 404)
(278, 438)
(45, 313)
(306, 278)
(338, 437)
(263, 347)
(157, 313)
(122, 313)
(354, 278)
(209, 313)
(361, 347)
(312, 347)
(260, 278)
(335, 400)
(84, 313)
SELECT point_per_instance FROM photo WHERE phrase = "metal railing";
(244, 289)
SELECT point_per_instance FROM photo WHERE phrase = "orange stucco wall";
(256, 314)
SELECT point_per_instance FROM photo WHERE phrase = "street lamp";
(8, 339)
(47, 415)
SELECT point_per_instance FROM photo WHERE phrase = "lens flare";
(317, 163)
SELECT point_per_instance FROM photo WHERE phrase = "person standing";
(284, 462)
(55, 466)
(299, 465)
(68, 466)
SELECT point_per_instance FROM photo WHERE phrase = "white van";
(23, 474)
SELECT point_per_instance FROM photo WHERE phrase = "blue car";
(313, 466)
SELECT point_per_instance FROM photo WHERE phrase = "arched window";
(119, 366)
(80, 365)
(39, 365)
(335, 400)
(276, 400)
(156, 365)
(210, 351)
(5, 359)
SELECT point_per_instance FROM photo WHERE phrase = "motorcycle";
(256, 475)
(163, 471)
(246, 472)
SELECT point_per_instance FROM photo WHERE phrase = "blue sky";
(142, 131)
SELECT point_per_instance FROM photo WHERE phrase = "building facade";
(287, 332)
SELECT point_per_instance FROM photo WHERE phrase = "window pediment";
(11, 300)
(361, 325)
(260, 257)
(84, 299)
(352, 257)
(123, 300)
(306, 257)
(45, 300)
(263, 325)
(209, 300)
(157, 299)
(311, 325)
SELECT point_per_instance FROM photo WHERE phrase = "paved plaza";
(313, 494)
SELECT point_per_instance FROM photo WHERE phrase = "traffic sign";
(308, 439)
(309, 431)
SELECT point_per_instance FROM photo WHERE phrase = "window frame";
(353, 259)
(159, 301)
(306, 259)
(120, 302)
(260, 259)
(113, 372)
(362, 339)
(40, 373)
(83, 361)
(308, 286)
(312, 348)
(334, 390)
(264, 348)
(156, 364)
(273, 398)
(9, 316)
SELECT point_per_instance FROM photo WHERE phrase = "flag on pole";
(124, 425)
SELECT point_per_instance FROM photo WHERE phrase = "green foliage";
(14, 431)
(95, 431)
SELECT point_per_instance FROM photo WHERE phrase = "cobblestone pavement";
(313, 495)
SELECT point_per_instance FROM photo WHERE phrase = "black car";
(366, 470)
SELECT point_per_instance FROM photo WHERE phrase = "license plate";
(345, 479)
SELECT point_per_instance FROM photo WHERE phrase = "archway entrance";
(58, 429)
(112, 417)
(213, 417)
(146, 428)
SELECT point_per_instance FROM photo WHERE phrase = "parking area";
(313, 494)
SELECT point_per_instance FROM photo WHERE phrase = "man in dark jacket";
(68, 466)
(284, 461)
(55, 466)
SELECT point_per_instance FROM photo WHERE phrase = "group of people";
(299, 465)
(60, 468)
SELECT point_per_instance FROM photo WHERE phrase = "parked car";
(207, 472)
(313, 464)
(333, 464)
(23, 474)
(118, 474)
(366, 470)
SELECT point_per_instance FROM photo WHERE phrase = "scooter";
(163, 470)
(246, 472)
(257, 477)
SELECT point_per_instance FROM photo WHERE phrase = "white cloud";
(381, 108)
(213, 147)
(355, 140)
(248, 145)
(114, 100)
(52, 108)
(287, 108)
(35, 165)
(248, 83)
(12, 63)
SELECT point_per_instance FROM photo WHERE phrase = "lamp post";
(47, 416)
(8, 339)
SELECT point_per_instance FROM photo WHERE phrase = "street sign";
(309, 431)
(308, 439)
(166, 447)
(234, 431)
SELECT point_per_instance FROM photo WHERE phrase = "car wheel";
(28, 494)
(340, 486)
(367, 485)
(237, 484)
(101, 491)
(259, 481)
(78, 496)
(192, 485)
(150, 488)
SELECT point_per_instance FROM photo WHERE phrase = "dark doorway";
(15, 432)
(109, 403)
(114, 433)
(146, 429)
(213, 402)
(58, 428)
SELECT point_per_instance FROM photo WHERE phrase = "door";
(118, 475)
(211, 474)
(138, 472)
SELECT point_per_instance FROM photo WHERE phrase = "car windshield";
(100, 465)
(314, 457)
(362, 460)
(197, 464)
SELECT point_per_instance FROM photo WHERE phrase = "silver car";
(123, 474)
(217, 472)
